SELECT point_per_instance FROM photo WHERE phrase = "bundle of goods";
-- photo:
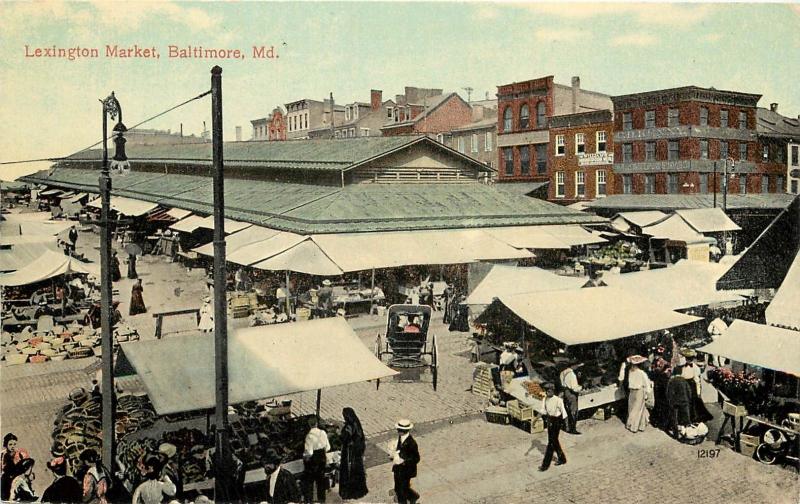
(190, 454)
(266, 317)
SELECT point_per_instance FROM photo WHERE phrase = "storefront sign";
(598, 158)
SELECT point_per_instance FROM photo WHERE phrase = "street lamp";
(724, 182)
(111, 108)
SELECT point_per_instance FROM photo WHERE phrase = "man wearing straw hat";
(405, 459)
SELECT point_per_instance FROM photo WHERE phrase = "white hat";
(636, 359)
(404, 424)
(326, 282)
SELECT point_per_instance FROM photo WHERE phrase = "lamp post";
(725, 182)
(111, 107)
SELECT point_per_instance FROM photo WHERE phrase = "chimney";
(181, 130)
(375, 99)
(333, 110)
(773, 107)
(487, 95)
(576, 91)
(238, 133)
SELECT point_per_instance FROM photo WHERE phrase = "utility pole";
(469, 91)
(223, 460)
(332, 123)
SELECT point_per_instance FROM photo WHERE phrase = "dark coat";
(409, 452)
(286, 488)
(65, 489)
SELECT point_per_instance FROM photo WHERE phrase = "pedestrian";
(96, 481)
(325, 298)
(156, 486)
(73, 237)
(554, 415)
(116, 275)
(64, 488)
(282, 487)
(22, 484)
(167, 452)
(638, 390)
(679, 397)
(692, 373)
(206, 323)
(352, 476)
(404, 464)
(570, 389)
(137, 301)
(660, 372)
(132, 267)
(315, 461)
(9, 459)
(61, 298)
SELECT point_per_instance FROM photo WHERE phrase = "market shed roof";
(49, 265)
(510, 280)
(783, 309)
(760, 345)
(623, 220)
(678, 201)
(677, 229)
(708, 220)
(264, 362)
(14, 256)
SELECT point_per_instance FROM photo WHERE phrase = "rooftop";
(774, 124)
(680, 201)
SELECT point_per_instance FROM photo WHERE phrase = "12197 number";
(712, 453)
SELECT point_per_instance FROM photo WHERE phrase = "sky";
(50, 106)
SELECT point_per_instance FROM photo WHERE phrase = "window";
(355, 111)
(703, 116)
(541, 159)
(742, 151)
(560, 184)
(508, 159)
(352, 132)
(703, 149)
(650, 151)
(600, 141)
(461, 144)
(580, 184)
(650, 119)
(723, 150)
(795, 155)
(649, 184)
(779, 184)
(524, 116)
(723, 118)
(336, 134)
(364, 132)
(487, 142)
(704, 183)
(396, 114)
(742, 120)
(389, 112)
(507, 119)
(627, 153)
(765, 152)
(742, 184)
(794, 186)
(525, 160)
(474, 143)
(600, 183)
(672, 117)
(674, 152)
(561, 145)
(580, 143)
(627, 121)
(408, 113)
(764, 183)
(627, 184)
(347, 113)
(541, 115)
(439, 138)
(672, 183)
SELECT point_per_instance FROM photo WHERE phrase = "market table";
(592, 398)
(520, 393)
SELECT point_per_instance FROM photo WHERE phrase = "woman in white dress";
(638, 389)
(206, 323)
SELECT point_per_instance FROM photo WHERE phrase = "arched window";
(524, 116)
(507, 119)
(541, 118)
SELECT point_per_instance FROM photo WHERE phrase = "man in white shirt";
(554, 415)
(507, 357)
(315, 460)
(570, 387)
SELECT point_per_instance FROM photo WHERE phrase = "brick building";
(581, 156)
(303, 116)
(477, 139)
(419, 111)
(524, 110)
(779, 147)
(671, 142)
(270, 128)
(360, 119)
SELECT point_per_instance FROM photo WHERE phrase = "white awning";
(510, 280)
(263, 362)
(593, 314)
(188, 224)
(33, 228)
(544, 237)
(27, 217)
(231, 226)
(622, 221)
(264, 249)
(51, 192)
(304, 257)
(78, 197)
(49, 265)
(362, 251)
(685, 285)
(239, 239)
(784, 309)
(708, 220)
(178, 213)
(676, 229)
(759, 345)
(19, 255)
(126, 206)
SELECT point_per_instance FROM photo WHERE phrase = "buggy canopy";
(264, 362)
(592, 315)
(49, 265)
(759, 345)
(511, 280)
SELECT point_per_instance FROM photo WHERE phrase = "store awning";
(126, 206)
(18, 255)
(49, 265)
(263, 362)
(510, 280)
(623, 220)
(759, 345)
(544, 237)
(239, 239)
(264, 249)
(34, 228)
(594, 314)
(188, 224)
(784, 309)
(685, 285)
(231, 226)
(676, 229)
(304, 257)
(362, 251)
(51, 192)
(78, 197)
(178, 213)
(708, 220)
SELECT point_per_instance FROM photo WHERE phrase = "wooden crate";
(483, 384)
(748, 444)
(520, 411)
(735, 410)
(497, 414)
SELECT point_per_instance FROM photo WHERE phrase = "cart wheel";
(435, 363)
(765, 455)
(378, 355)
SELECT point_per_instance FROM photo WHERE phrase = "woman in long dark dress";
(116, 274)
(352, 476)
(137, 301)
(132, 266)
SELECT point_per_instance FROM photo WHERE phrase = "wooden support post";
(319, 400)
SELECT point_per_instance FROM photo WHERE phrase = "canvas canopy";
(708, 220)
(49, 265)
(623, 220)
(264, 249)
(18, 255)
(76, 198)
(544, 237)
(676, 229)
(592, 315)
(264, 362)
(685, 285)
(510, 280)
(304, 257)
(178, 213)
(783, 310)
(188, 224)
(126, 206)
(34, 227)
(27, 217)
(239, 239)
(231, 226)
(759, 345)
(50, 192)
